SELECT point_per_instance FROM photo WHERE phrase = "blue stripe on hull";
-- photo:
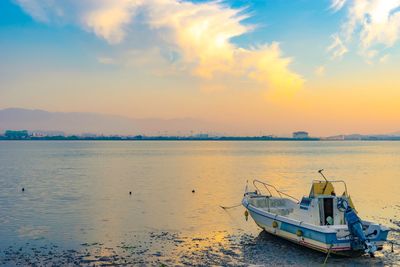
(326, 238)
(311, 234)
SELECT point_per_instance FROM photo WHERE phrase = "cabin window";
(305, 203)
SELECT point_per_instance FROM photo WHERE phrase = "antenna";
(326, 184)
(320, 172)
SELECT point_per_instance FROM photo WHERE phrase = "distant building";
(300, 135)
(89, 135)
(201, 136)
(46, 133)
(335, 138)
(15, 135)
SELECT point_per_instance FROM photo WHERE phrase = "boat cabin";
(320, 206)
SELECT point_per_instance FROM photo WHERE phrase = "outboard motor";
(355, 227)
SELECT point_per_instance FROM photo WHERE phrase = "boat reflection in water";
(322, 220)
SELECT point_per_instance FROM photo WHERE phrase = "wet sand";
(178, 249)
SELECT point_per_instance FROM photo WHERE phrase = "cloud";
(35, 8)
(337, 5)
(384, 59)
(375, 24)
(266, 64)
(197, 36)
(337, 47)
(107, 19)
(320, 71)
(106, 60)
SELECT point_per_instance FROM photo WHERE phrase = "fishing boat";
(322, 220)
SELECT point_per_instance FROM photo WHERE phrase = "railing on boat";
(268, 186)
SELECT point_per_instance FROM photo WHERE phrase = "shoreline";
(202, 139)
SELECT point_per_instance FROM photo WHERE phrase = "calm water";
(77, 195)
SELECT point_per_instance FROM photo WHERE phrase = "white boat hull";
(319, 238)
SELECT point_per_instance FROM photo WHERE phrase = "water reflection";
(205, 249)
(78, 192)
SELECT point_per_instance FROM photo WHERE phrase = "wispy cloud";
(337, 47)
(106, 60)
(384, 59)
(320, 70)
(337, 4)
(197, 35)
(375, 24)
(35, 8)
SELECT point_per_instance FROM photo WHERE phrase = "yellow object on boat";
(322, 188)
(299, 233)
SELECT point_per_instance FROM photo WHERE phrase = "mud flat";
(179, 249)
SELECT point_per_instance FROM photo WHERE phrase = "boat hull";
(307, 236)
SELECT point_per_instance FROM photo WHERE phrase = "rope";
(231, 207)
(327, 255)
(393, 243)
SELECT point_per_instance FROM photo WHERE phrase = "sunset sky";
(264, 66)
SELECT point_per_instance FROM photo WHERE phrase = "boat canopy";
(326, 188)
(323, 188)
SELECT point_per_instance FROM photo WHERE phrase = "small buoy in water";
(23, 189)
(130, 192)
(193, 191)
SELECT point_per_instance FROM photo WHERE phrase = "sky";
(259, 67)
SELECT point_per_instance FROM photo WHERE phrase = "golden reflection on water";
(84, 186)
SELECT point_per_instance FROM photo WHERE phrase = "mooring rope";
(393, 243)
(231, 207)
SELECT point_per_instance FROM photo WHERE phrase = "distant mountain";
(396, 133)
(78, 123)
(354, 137)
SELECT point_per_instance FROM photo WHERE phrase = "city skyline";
(40, 123)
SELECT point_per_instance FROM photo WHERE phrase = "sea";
(158, 203)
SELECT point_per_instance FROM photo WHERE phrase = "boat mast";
(326, 184)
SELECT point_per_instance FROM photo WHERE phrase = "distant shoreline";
(76, 138)
(192, 139)
(297, 136)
